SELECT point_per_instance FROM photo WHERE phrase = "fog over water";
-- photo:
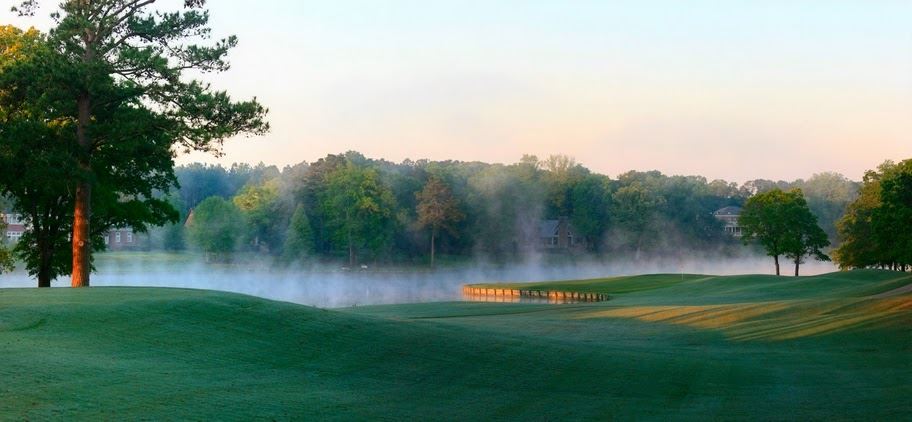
(334, 287)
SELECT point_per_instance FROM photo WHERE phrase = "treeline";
(875, 229)
(347, 206)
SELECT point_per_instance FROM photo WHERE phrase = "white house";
(729, 218)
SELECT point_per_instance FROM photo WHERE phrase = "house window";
(117, 237)
(554, 241)
(107, 239)
(129, 237)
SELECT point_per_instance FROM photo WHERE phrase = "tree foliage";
(264, 215)
(216, 227)
(123, 65)
(41, 160)
(784, 225)
(590, 200)
(437, 210)
(299, 244)
(358, 208)
(503, 206)
(872, 229)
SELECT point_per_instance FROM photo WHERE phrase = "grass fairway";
(836, 346)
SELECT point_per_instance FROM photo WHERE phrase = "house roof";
(548, 228)
(189, 221)
(728, 211)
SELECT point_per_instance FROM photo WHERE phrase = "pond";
(331, 287)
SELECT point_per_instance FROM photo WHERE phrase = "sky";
(736, 90)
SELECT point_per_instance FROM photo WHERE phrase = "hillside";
(724, 347)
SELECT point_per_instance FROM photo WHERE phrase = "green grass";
(699, 348)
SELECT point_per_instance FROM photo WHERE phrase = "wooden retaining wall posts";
(551, 295)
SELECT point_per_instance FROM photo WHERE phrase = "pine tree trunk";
(83, 209)
(81, 240)
(776, 259)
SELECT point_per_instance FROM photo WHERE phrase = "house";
(15, 227)
(729, 218)
(115, 239)
(189, 221)
(558, 235)
(121, 239)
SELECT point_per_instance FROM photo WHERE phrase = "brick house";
(115, 240)
(121, 239)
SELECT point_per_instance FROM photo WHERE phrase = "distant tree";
(871, 230)
(216, 227)
(299, 242)
(507, 204)
(174, 238)
(806, 238)
(724, 189)
(686, 211)
(265, 218)
(634, 210)
(861, 246)
(753, 187)
(309, 189)
(894, 214)
(144, 55)
(199, 181)
(437, 209)
(591, 202)
(561, 173)
(784, 225)
(828, 194)
(359, 209)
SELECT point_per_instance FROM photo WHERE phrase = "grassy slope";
(729, 347)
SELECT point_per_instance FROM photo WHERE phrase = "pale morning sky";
(725, 89)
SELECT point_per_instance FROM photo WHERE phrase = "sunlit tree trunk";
(83, 208)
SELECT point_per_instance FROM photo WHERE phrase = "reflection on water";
(481, 294)
(522, 299)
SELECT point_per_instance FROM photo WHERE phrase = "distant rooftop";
(548, 228)
(728, 211)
